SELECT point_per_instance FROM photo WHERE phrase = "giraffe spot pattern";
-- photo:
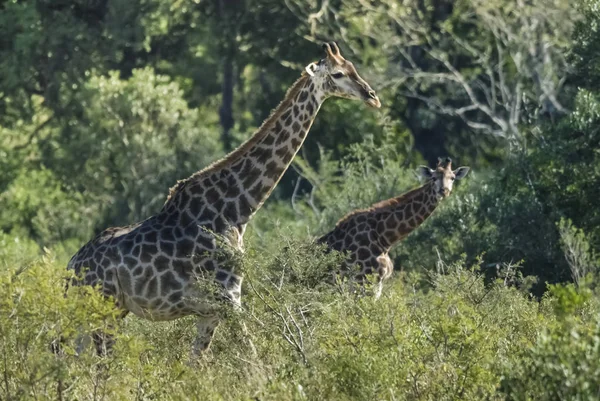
(244, 206)
(166, 234)
(161, 263)
(175, 297)
(171, 219)
(211, 195)
(257, 190)
(138, 271)
(252, 176)
(220, 224)
(185, 220)
(269, 139)
(167, 248)
(221, 276)
(183, 269)
(302, 97)
(283, 136)
(183, 200)
(168, 279)
(263, 156)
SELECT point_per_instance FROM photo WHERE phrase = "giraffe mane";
(384, 204)
(258, 135)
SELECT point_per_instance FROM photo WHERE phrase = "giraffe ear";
(460, 172)
(425, 172)
(311, 68)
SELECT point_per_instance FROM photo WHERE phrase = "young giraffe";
(369, 234)
(152, 268)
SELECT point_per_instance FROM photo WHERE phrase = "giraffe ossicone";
(367, 235)
(153, 268)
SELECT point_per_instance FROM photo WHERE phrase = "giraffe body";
(367, 235)
(153, 268)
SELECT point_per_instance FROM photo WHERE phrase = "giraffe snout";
(372, 99)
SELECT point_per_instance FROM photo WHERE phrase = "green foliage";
(472, 68)
(103, 168)
(33, 314)
(578, 252)
(563, 361)
(129, 128)
(585, 52)
(49, 48)
(458, 338)
(17, 251)
(568, 299)
(54, 217)
(447, 343)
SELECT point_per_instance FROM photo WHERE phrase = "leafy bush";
(293, 340)
(33, 314)
(112, 165)
(56, 216)
(563, 361)
(135, 139)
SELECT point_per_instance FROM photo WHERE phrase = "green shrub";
(56, 216)
(438, 336)
(563, 363)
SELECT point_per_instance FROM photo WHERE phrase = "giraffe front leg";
(104, 343)
(206, 327)
(210, 317)
(378, 288)
(385, 267)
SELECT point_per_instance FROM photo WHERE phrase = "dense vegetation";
(105, 104)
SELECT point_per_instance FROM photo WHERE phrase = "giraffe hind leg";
(206, 327)
(378, 289)
(210, 317)
(103, 342)
(56, 346)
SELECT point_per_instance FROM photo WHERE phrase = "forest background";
(105, 104)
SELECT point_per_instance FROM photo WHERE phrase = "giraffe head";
(442, 178)
(338, 77)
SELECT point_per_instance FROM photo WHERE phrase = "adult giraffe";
(369, 234)
(153, 268)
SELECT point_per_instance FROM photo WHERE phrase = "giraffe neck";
(237, 185)
(403, 214)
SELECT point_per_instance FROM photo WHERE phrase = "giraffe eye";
(338, 75)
